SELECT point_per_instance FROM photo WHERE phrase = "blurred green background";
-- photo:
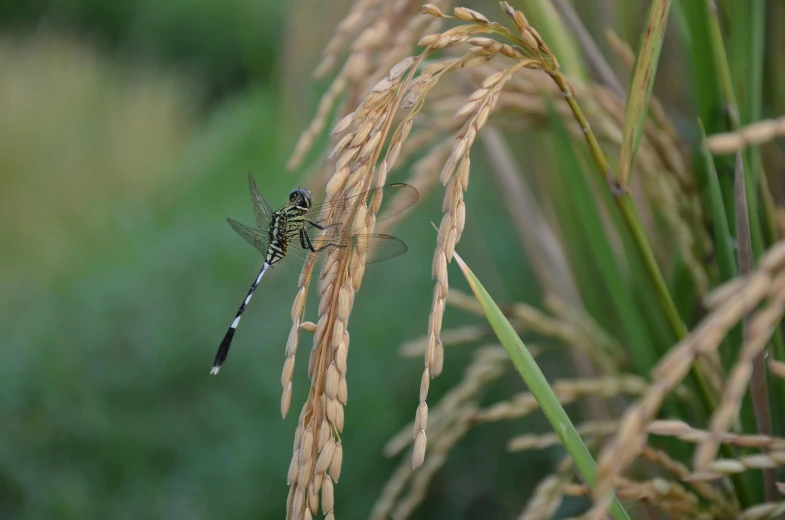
(126, 131)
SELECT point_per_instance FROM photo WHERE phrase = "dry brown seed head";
(412, 95)
(298, 502)
(324, 434)
(338, 327)
(529, 39)
(330, 516)
(536, 36)
(370, 222)
(362, 134)
(370, 147)
(437, 360)
(345, 296)
(298, 437)
(463, 175)
(306, 446)
(520, 20)
(336, 183)
(343, 391)
(397, 70)
(312, 358)
(335, 464)
(421, 418)
(437, 314)
(383, 85)
(289, 497)
(330, 263)
(392, 156)
(288, 370)
(447, 169)
(404, 129)
(343, 124)
(425, 383)
(339, 416)
(463, 13)
(360, 221)
(341, 145)
(429, 39)
(437, 258)
(466, 109)
(458, 38)
(418, 453)
(341, 352)
(446, 40)
(328, 499)
(460, 216)
(432, 10)
(291, 476)
(299, 303)
(449, 249)
(476, 61)
(331, 386)
(286, 399)
(321, 325)
(325, 456)
(307, 326)
(307, 514)
(478, 94)
(294, 337)
(346, 157)
(441, 272)
(313, 499)
(493, 79)
(482, 115)
(304, 474)
(481, 41)
(324, 303)
(330, 407)
(510, 52)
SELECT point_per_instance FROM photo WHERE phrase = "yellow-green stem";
(630, 217)
(624, 203)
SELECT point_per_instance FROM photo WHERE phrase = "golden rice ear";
(322, 417)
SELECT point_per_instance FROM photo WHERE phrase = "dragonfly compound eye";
(301, 198)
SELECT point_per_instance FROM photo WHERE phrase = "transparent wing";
(395, 198)
(379, 248)
(261, 208)
(255, 237)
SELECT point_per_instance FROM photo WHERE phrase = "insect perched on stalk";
(299, 229)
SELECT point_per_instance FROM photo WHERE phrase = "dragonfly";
(299, 229)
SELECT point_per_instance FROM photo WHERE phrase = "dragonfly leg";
(305, 241)
(317, 226)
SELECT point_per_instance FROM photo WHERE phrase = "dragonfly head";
(300, 198)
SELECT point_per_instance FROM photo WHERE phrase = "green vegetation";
(599, 219)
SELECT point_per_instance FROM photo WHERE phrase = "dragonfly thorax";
(286, 225)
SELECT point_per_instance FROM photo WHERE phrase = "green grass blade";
(579, 207)
(642, 83)
(539, 387)
(723, 239)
